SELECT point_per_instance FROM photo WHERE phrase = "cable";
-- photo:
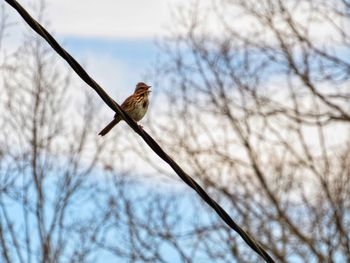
(146, 137)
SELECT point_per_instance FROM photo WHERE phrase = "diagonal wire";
(145, 136)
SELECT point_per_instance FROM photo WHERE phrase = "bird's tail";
(109, 126)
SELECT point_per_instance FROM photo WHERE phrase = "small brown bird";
(135, 105)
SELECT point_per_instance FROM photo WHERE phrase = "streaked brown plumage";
(135, 105)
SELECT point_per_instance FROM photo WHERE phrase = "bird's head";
(142, 88)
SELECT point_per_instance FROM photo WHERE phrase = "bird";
(135, 105)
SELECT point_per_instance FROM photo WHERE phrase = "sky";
(126, 19)
(114, 40)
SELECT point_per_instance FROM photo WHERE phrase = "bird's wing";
(125, 105)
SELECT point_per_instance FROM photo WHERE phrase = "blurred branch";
(147, 138)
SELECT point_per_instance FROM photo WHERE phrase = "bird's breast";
(140, 110)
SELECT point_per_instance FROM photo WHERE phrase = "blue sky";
(116, 58)
(114, 40)
(116, 64)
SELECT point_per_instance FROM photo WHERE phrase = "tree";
(64, 192)
(262, 103)
(49, 155)
(251, 111)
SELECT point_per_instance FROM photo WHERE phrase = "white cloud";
(146, 19)
(108, 18)
(111, 74)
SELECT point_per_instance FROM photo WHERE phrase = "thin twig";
(146, 137)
